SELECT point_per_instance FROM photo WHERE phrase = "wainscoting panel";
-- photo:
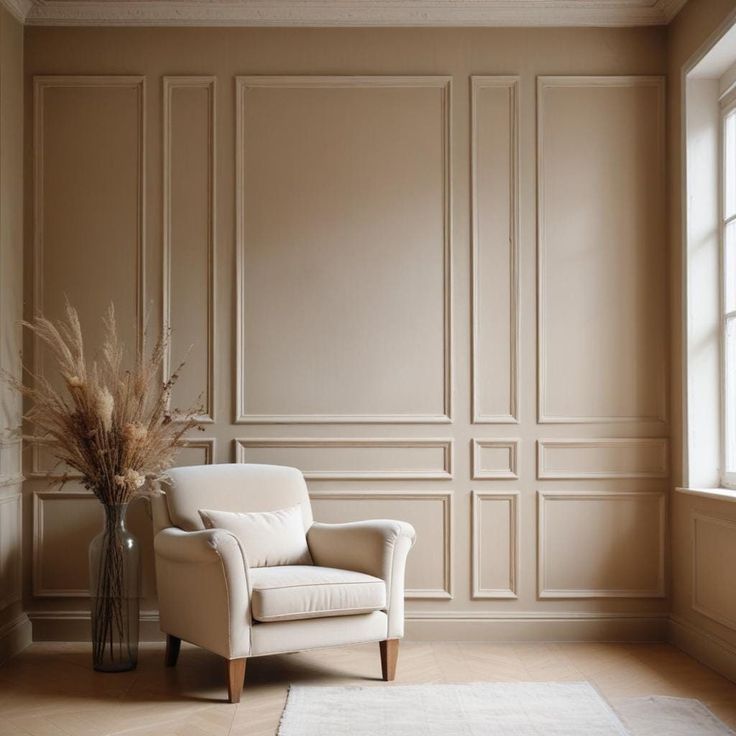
(199, 451)
(495, 203)
(10, 542)
(429, 566)
(601, 258)
(714, 546)
(353, 459)
(495, 547)
(189, 237)
(349, 322)
(601, 544)
(602, 458)
(88, 226)
(495, 459)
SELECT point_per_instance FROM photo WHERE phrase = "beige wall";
(355, 261)
(14, 626)
(703, 530)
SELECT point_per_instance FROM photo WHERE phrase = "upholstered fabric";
(297, 592)
(268, 538)
(313, 633)
(203, 589)
(208, 592)
(235, 487)
(378, 547)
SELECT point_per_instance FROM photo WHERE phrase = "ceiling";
(317, 13)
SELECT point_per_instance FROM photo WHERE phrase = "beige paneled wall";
(345, 226)
(14, 625)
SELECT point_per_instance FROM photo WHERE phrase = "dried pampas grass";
(110, 423)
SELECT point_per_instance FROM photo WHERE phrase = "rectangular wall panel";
(353, 459)
(10, 549)
(495, 204)
(601, 544)
(343, 249)
(495, 459)
(714, 549)
(602, 458)
(199, 451)
(429, 565)
(495, 546)
(189, 237)
(602, 275)
(88, 226)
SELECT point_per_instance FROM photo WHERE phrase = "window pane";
(730, 395)
(729, 169)
(729, 266)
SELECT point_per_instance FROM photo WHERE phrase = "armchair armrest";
(203, 589)
(378, 547)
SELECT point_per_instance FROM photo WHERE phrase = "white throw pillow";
(268, 538)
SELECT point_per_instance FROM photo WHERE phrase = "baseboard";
(15, 636)
(711, 650)
(536, 626)
(75, 626)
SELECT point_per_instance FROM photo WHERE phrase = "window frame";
(727, 110)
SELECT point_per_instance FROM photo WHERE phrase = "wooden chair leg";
(389, 656)
(173, 644)
(235, 678)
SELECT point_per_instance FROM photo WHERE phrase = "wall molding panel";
(41, 86)
(247, 450)
(483, 499)
(618, 566)
(40, 500)
(244, 84)
(507, 465)
(10, 553)
(596, 84)
(585, 459)
(510, 242)
(170, 86)
(206, 444)
(11, 461)
(711, 595)
(411, 498)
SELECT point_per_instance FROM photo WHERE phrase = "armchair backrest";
(242, 487)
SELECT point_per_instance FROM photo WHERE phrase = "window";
(728, 292)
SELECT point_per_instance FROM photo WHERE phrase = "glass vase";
(114, 580)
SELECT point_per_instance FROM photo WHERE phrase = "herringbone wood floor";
(50, 689)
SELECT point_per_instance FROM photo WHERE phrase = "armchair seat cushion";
(292, 592)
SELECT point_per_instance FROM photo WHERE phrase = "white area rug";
(480, 709)
(489, 709)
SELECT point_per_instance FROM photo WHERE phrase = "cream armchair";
(209, 595)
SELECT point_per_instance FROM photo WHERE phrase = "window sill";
(719, 494)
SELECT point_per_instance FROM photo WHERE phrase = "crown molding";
(345, 13)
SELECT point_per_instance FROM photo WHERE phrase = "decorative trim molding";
(208, 444)
(512, 591)
(481, 473)
(544, 446)
(169, 85)
(242, 445)
(443, 83)
(19, 9)
(445, 497)
(39, 497)
(722, 618)
(705, 646)
(512, 85)
(543, 83)
(545, 497)
(10, 550)
(346, 13)
(40, 84)
(11, 461)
